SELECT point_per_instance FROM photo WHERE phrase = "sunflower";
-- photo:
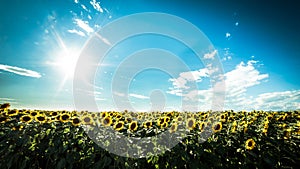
(64, 117)
(173, 128)
(34, 113)
(202, 125)
(179, 118)
(164, 125)
(53, 113)
(87, 120)
(160, 121)
(76, 121)
(118, 116)
(147, 124)
(166, 119)
(107, 121)
(40, 118)
(223, 117)
(12, 112)
(190, 123)
(250, 144)
(119, 125)
(26, 118)
(128, 119)
(133, 126)
(104, 114)
(217, 127)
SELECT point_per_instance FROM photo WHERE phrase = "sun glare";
(67, 60)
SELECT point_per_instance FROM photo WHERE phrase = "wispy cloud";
(96, 5)
(185, 77)
(80, 33)
(210, 55)
(138, 96)
(119, 94)
(84, 7)
(20, 71)
(6, 99)
(286, 100)
(84, 25)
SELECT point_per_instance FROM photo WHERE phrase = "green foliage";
(59, 143)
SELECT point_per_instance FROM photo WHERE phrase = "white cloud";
(236, 83)
(84, 7)
(100, 99)
(286, 100)
(80, 33)
(6, 99)
(138, 96)
(191, 76)
(84, 25)
(20, 71)
(227, 34)
(76, 1)
(242, 77)
(210, 55)
(119, 94)
(177, 92)
(96, 5)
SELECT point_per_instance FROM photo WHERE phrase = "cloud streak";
(96, 5)
(20, 71)
(80, 33)
(138, 96)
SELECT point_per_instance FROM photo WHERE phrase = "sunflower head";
(179, 119)
(160, 121)
(34, 113)
(147, 124)
(164, 125)
(190, 123)
(12, 112)
(173, 128)
(107, 121)
(40, 118)
(26, 118)
(216, 127)
(64, 117)
(104, 114)
(202, 125)
(119, 125)
(133, 126)
(86, 120)
(250, 144)
(53, 113)
(76, 121)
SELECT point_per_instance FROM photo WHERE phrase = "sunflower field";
(57, 139)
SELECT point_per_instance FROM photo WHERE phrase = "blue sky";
(256, 43)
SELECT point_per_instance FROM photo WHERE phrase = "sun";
(66, 61)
